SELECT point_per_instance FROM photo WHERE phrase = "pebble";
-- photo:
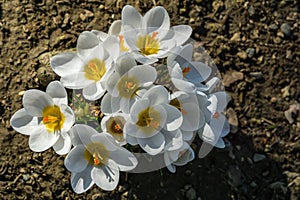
(236, 37)
(253, 184)
(256, 75)
(242, 55)
(191, 194)
(188, 172)
(250, 52)
(286, 29)
(273, 27)
(232, 120)
(258, 157)
(235, 175)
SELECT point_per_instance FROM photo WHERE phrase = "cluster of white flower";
(119, 69)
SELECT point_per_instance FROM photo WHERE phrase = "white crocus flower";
(217, 127)
(114, 125)
(96, 158)
(186, 74)
(192, 114)
(178, 157)
(150, 117)
(150, 37)
(46, 118)
(124, 83)
(89, 68)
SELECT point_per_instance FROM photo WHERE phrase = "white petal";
(82, 181)
(94, 91)
(86, 43)
(174, 118)
(81, 134)
(23, 122)
(126, 104)
(115, 28)
(63, 145)
(187, 135)
(125, 160)
(75, 81)
(156, 19)
(105, 177)
(131, 17)
(199, 72)
(106, 139)
(125, 63)
(34, 102)
(70, 117)
(181, 33)
(173, 140)
(157, 95)
(191, 114)
(184, 85)
(223, 99)
(100, 35)
(220, 144)
(75, 160)
(187, 156)
(144, 59)
(111, 84)
(66, 63)
(41, 140)
(110, 104)
(171, 168)
(152, 145)
(131, 140)
(112, 46)
(58, 93)
(139, 72)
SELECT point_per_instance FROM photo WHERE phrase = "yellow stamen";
(95, 69)
(53, 118)
(122, 44)
(127, 86)
(148, 120)
(147, 44)
(96, 154)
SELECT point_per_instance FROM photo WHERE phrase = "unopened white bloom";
(114, 125)
(46, 118)
(178, 157)
(150, 117)
(96, 158)
(124, 83)
(186, 74)
(150, 37)
(89, 68)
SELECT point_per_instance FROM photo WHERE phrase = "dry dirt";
(258, 57)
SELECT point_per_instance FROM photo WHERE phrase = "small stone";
(191, 194)
(289, 54)
(233, 120)
(277, 40)
(26, 177)
(258, 157)
(251, 11)
(273, 27)
(249, 161)
(242, 55)
(236, 37)
(253, 184)
(188, 172)
(21, 93)
(250, 52)
(266, 173)
(273, 99)
(235, 175)
(256, 75)
(286, 29)
(186, 187)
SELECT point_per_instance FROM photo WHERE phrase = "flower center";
(122, 44)
(127, 86)
(114, 126)
(96, 154)
(175, 102)
(95, 69)
(53, 118)
(148, 120)
(147, 44)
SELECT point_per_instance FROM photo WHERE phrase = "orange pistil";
(97, 159)
(154, 34)
(122, 44)
(118, 127)
(186, 70)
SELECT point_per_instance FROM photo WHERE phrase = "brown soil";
(259, 63)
